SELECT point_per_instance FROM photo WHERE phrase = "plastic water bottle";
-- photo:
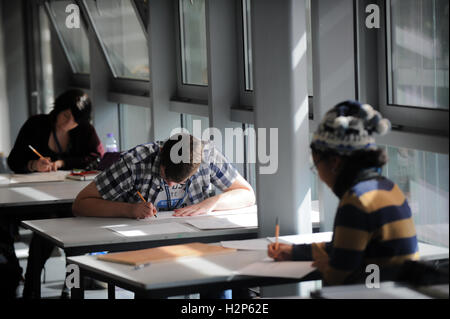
(111, 143)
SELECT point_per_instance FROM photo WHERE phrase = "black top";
(84, 145)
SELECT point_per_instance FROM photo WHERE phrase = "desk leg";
(111, 291)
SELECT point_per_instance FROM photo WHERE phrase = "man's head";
(181, 157)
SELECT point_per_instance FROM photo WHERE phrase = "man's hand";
(142, 210)
(204, 207)
(284, 252)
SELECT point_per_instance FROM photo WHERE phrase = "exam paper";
(225, 222)
(305, 238)
(169, 214)
(282, 269)
(247, 244)
(262, 243)
(38, 177)
(151, 229)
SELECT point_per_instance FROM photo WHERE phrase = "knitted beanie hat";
(348, 127)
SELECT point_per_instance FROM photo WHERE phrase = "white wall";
(5, 144)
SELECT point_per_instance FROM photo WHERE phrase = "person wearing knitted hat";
(373, 222)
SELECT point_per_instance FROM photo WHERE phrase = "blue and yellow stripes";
(373, 224)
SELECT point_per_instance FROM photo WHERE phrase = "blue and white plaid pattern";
(139, 170)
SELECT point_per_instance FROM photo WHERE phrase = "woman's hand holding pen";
(142, 210)
(43, 164)
(284, 252)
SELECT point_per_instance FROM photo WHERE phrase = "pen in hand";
(37, 153)
(143, 199)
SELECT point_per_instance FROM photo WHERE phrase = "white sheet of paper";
(282, 269)
(39, 177)
(151, 229)
(225, 222)
(305, 238)
(169, 214)
(247, 244)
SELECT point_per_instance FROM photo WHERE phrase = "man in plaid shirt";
(180, 174)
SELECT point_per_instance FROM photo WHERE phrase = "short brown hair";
(177, 171)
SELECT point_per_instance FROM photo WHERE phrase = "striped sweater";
(373, 225)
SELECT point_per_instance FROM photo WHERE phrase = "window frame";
(130, 84)
(186, 92)
(247, 97)
(244, 112)
(403, 117)
(81, 79)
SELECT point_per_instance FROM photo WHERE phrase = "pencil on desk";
(37, 153)
(143, 199)
(277, 233)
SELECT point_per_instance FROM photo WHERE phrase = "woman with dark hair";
(373, 222)
(64, 137)
(67, 140)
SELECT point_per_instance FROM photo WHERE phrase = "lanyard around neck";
(169, 199)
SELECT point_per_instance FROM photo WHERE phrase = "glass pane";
(419, 74)
(196, 125)
(424, 178)
(121, 36)
(135, 125)
(46, 61)
(193, 42)
(73, 40)
(248, 63)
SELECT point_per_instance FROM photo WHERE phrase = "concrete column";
(162, 52)
(334, 68)
(223, 78)
(281, 102)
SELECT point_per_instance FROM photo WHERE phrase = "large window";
(247, 40)
(247, 35)
(424, 178)
(122, 37)
(418, 62)
(196, 125)
(134, 125)
(192, 19)
(47, 98)
(73, 40)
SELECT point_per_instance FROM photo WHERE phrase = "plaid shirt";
(139, 170)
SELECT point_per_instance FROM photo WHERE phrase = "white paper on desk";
(4, 179)
(169, 214)
(225, 222)
(282, 269)
(39, 177)
(305, 238)
(151, 229)
(247, 244)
